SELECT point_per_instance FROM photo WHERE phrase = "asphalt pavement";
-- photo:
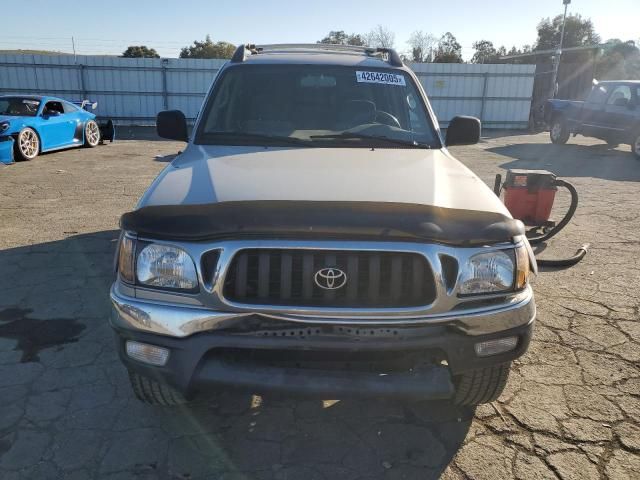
(571, 409)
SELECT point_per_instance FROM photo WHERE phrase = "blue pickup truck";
(611, 112)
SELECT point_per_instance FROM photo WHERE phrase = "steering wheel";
(387, 119)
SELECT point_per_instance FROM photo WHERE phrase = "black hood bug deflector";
(347, 220)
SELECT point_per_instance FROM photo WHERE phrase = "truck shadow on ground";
(314, 438)
(571, 160)
(57, 353)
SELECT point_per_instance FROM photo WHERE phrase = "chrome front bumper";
(181, 320)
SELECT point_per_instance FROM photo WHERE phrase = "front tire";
(559, 132)
(27, 145)
(481, 386)
(91, 134)
(154, 393)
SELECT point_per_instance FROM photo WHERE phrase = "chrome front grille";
(273, 276)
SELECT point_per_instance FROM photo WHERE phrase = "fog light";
(494, 347)
(146, 353)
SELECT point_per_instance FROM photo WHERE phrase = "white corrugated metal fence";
(499, 95)
(134, 90)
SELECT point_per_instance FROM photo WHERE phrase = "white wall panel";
(500, 95)
(134, 90)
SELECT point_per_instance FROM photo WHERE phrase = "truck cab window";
(623, 91)
(598, 95)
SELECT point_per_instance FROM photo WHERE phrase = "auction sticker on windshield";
(380, 77)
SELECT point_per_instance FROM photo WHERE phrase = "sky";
(168, 26)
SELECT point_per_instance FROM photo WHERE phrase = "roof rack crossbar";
(243, 51)
(315, 46)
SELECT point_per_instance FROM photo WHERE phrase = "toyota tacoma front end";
(317, 237)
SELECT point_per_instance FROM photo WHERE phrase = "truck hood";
(206, 174)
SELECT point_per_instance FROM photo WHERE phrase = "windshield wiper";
(395, 141)
(261, 136)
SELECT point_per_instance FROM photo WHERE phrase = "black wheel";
(481, 386)
(27, 145)
(559, 132)
(635, 146)
(91, 134)
(154, 393)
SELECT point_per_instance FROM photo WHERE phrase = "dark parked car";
(611, 112)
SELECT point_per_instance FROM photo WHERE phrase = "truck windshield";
(316, 106)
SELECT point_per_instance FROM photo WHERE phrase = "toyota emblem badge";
(330, 278)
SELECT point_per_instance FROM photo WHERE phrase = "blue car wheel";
(27, 144)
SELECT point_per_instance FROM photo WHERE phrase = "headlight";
(4, 126)
(166, 267)
(495, 272)
(489, 272)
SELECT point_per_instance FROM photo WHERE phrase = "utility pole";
(556, 58)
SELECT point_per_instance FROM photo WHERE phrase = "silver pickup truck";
(316, 237)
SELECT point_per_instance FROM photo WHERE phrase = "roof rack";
(243, 51)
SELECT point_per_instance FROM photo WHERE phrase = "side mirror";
(621, 102)
(463, 130)
(172, 124)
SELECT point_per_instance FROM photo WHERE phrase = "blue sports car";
(32, 124)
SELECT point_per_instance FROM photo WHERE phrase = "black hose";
(565, 262)
(581, 252)
(563, 223)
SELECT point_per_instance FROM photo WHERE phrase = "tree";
(208, 49)
(577, 32)
(339, 37)
(448, 50)
(380, 37)
(140, 51)
(626, 49)
(619, 60)
(502, 52)
(485, 52)
(421, 46)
